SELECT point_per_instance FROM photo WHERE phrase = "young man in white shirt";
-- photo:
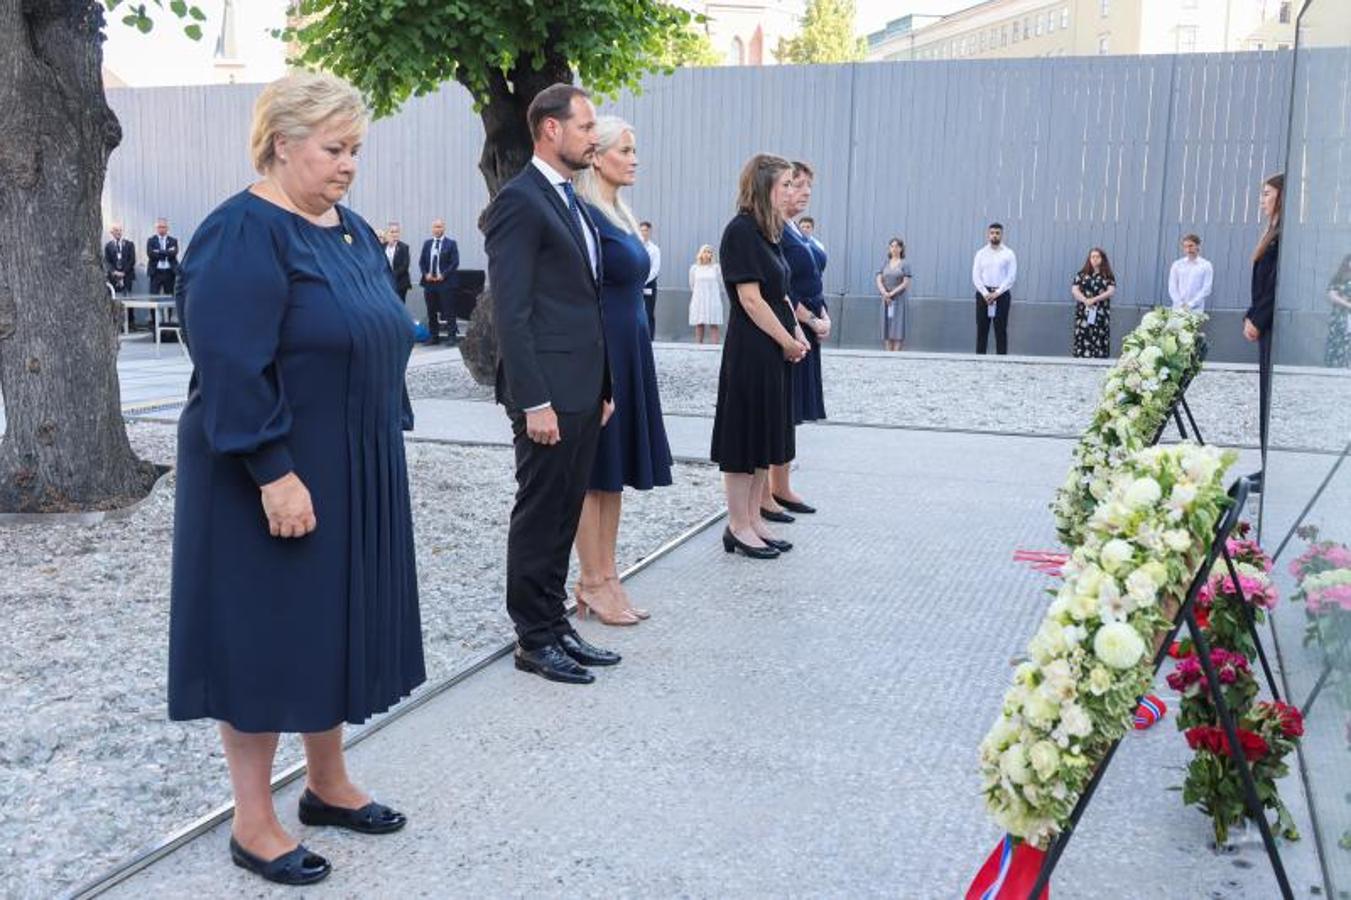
(993, 273)
(1191, 277)
(650, 288)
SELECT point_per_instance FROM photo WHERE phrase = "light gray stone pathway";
(801, 727)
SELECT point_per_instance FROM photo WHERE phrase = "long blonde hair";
(609, 131)
(756, 190)
(698, 257)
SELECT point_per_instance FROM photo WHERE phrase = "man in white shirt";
(993, 273)
(1191, 277)
(650, 289)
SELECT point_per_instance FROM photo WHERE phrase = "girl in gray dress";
(893, 283)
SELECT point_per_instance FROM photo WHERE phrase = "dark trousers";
(440, 305)
(1264, 390)
(650, 302)
(403, 295)
(1001, 324)
(162, 281)
(551, 483)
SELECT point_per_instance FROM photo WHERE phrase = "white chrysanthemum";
(1118, 645)
(1142, 493)
(1076, 720)
(1044, 759)
(1013, 763)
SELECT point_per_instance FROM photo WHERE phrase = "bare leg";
(698, 334)
(714, 330)
(595, 549)
(742, 499)
(761, 487)
(255, 825)
(611, 508)
(780, 485)
(326, 770)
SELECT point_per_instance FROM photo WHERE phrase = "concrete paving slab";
(799, 727)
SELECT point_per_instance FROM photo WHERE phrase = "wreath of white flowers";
(1157, 359)
(1092, 657)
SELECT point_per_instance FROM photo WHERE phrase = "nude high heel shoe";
(587, 597)
(624, 595)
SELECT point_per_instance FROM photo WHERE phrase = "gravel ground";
(1043, 397)
(89, 768)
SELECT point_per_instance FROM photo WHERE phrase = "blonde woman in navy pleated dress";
(294, 601)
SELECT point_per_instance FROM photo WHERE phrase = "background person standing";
(439, 264)
(650, 288)
(1092, 289)
(993, 273)
(161, 254)
(1260, 316)
(893, 282)
(1191, 277)
(399, 259)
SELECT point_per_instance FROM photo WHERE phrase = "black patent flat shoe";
(552, 663)
(299, 866)
(781, 546)
(796, 506)
(373, 818)
(731, 544)
(776, 515)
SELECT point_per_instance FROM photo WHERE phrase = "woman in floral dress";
(1338, 354)
(1092, 289)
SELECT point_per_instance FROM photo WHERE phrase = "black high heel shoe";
(774, 515)
(299, 866)
(731, 544)
(796, 506)
(781, 546)
(373, 818)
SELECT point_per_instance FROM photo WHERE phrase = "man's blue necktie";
(576, 213)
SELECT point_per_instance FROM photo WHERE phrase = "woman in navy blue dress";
(633, 449)
(294, 601)
(806, 259)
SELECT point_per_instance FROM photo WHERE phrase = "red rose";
(1290, 718)
(1207, 737)
(1254, 746)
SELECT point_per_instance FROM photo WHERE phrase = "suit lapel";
(569, 220)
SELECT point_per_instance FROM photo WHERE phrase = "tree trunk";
(65, 445)
(507, 148)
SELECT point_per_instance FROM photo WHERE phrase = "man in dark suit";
(552, 376)
(396, 251)
(161, 259)
(119, 265)
(439, 263)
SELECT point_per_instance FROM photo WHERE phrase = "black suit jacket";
(546, 300)
(126, 265)
(1262, 311)
(450, 263)
(153, 254)
(399, 266)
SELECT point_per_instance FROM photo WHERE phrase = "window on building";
(1065, 18)
(737, 55)
(982, 42)
(1285, 12)
(1016, 31)
(1104, 44)
(1050, 21)
(1106, 7)
(1036, 26)
(1186, 38)
(1004, 36)
(1258, 45)
(1282, 46)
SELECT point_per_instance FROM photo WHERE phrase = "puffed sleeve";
(740, 253)
(233, 296)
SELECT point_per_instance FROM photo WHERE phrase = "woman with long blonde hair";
(705, 295)
(633, 449)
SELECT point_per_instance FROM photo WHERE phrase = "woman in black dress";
(753, 425)
(1092, 290)
(1261, 314)
(294, 601)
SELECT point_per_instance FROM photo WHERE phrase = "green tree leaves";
(827, 36)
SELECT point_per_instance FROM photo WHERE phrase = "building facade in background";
(1002, 29)
(746, 33)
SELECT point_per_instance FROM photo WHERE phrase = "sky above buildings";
(166, 56)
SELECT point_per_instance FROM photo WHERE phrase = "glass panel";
(1306, 508)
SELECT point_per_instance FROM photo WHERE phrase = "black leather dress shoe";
(586, 654)
(796, 506)
(552, 663)
(771, 515)
(300, 866)
(373, 818)
(781, 546)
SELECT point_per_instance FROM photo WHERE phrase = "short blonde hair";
(295, 105)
